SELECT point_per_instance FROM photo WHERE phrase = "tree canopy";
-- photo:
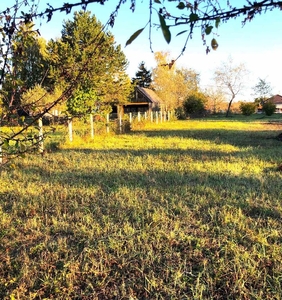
(86, 51)
(26, 64)
(231, 78)
(143, 77)
(187, 16)
(205, 15)
(172, 84)
(262, 91)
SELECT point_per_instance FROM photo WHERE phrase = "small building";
(277, 100)
(144, 100)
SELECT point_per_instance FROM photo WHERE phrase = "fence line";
(156, 116)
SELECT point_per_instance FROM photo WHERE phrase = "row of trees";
(87, 69)
(84, 66)
(83, 71)
(179, 87)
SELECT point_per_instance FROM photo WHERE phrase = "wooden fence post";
(70, 129)
(120, 124)
(157, 117)
(139, 116)
(152, 116)
(40, 136)
(108, 123)
(92, 126)
(130, 118)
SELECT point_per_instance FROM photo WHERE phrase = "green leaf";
(181, 32)
(214, 44)
(134, 36)
(208, 29)
(181, 5)
(165, 29)
(193, 17)
(217, 21)
(6, 143)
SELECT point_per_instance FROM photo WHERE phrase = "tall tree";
(172, 84)
(27, 63)
(85, 51)
(262, 91)
(143, 77)
(231, 79)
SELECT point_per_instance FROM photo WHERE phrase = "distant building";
(277, 100)
(144, 100)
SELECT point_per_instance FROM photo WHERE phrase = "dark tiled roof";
(150, 94)
(277, 99)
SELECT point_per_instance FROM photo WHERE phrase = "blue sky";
(258, 44)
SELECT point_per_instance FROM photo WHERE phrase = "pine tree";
(87, 54)
(143, 76)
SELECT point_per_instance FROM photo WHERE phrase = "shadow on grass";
(241, 118)
(171, 188)
(188, 187)
(240, 138)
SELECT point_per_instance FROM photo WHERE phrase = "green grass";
(179, 210)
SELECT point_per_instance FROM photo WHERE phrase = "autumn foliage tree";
(172, 84)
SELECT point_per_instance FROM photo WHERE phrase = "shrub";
(248, 108)
(195, 104)
(180, 113)
(269, 108)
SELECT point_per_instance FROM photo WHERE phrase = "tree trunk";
(229, 106)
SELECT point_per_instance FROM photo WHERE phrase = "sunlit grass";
(179, 210)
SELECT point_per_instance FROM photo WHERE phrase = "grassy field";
(179, 210)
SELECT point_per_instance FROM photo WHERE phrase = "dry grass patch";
(182, 210)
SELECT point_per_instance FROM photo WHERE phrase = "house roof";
(149, 94)
(276, 99)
